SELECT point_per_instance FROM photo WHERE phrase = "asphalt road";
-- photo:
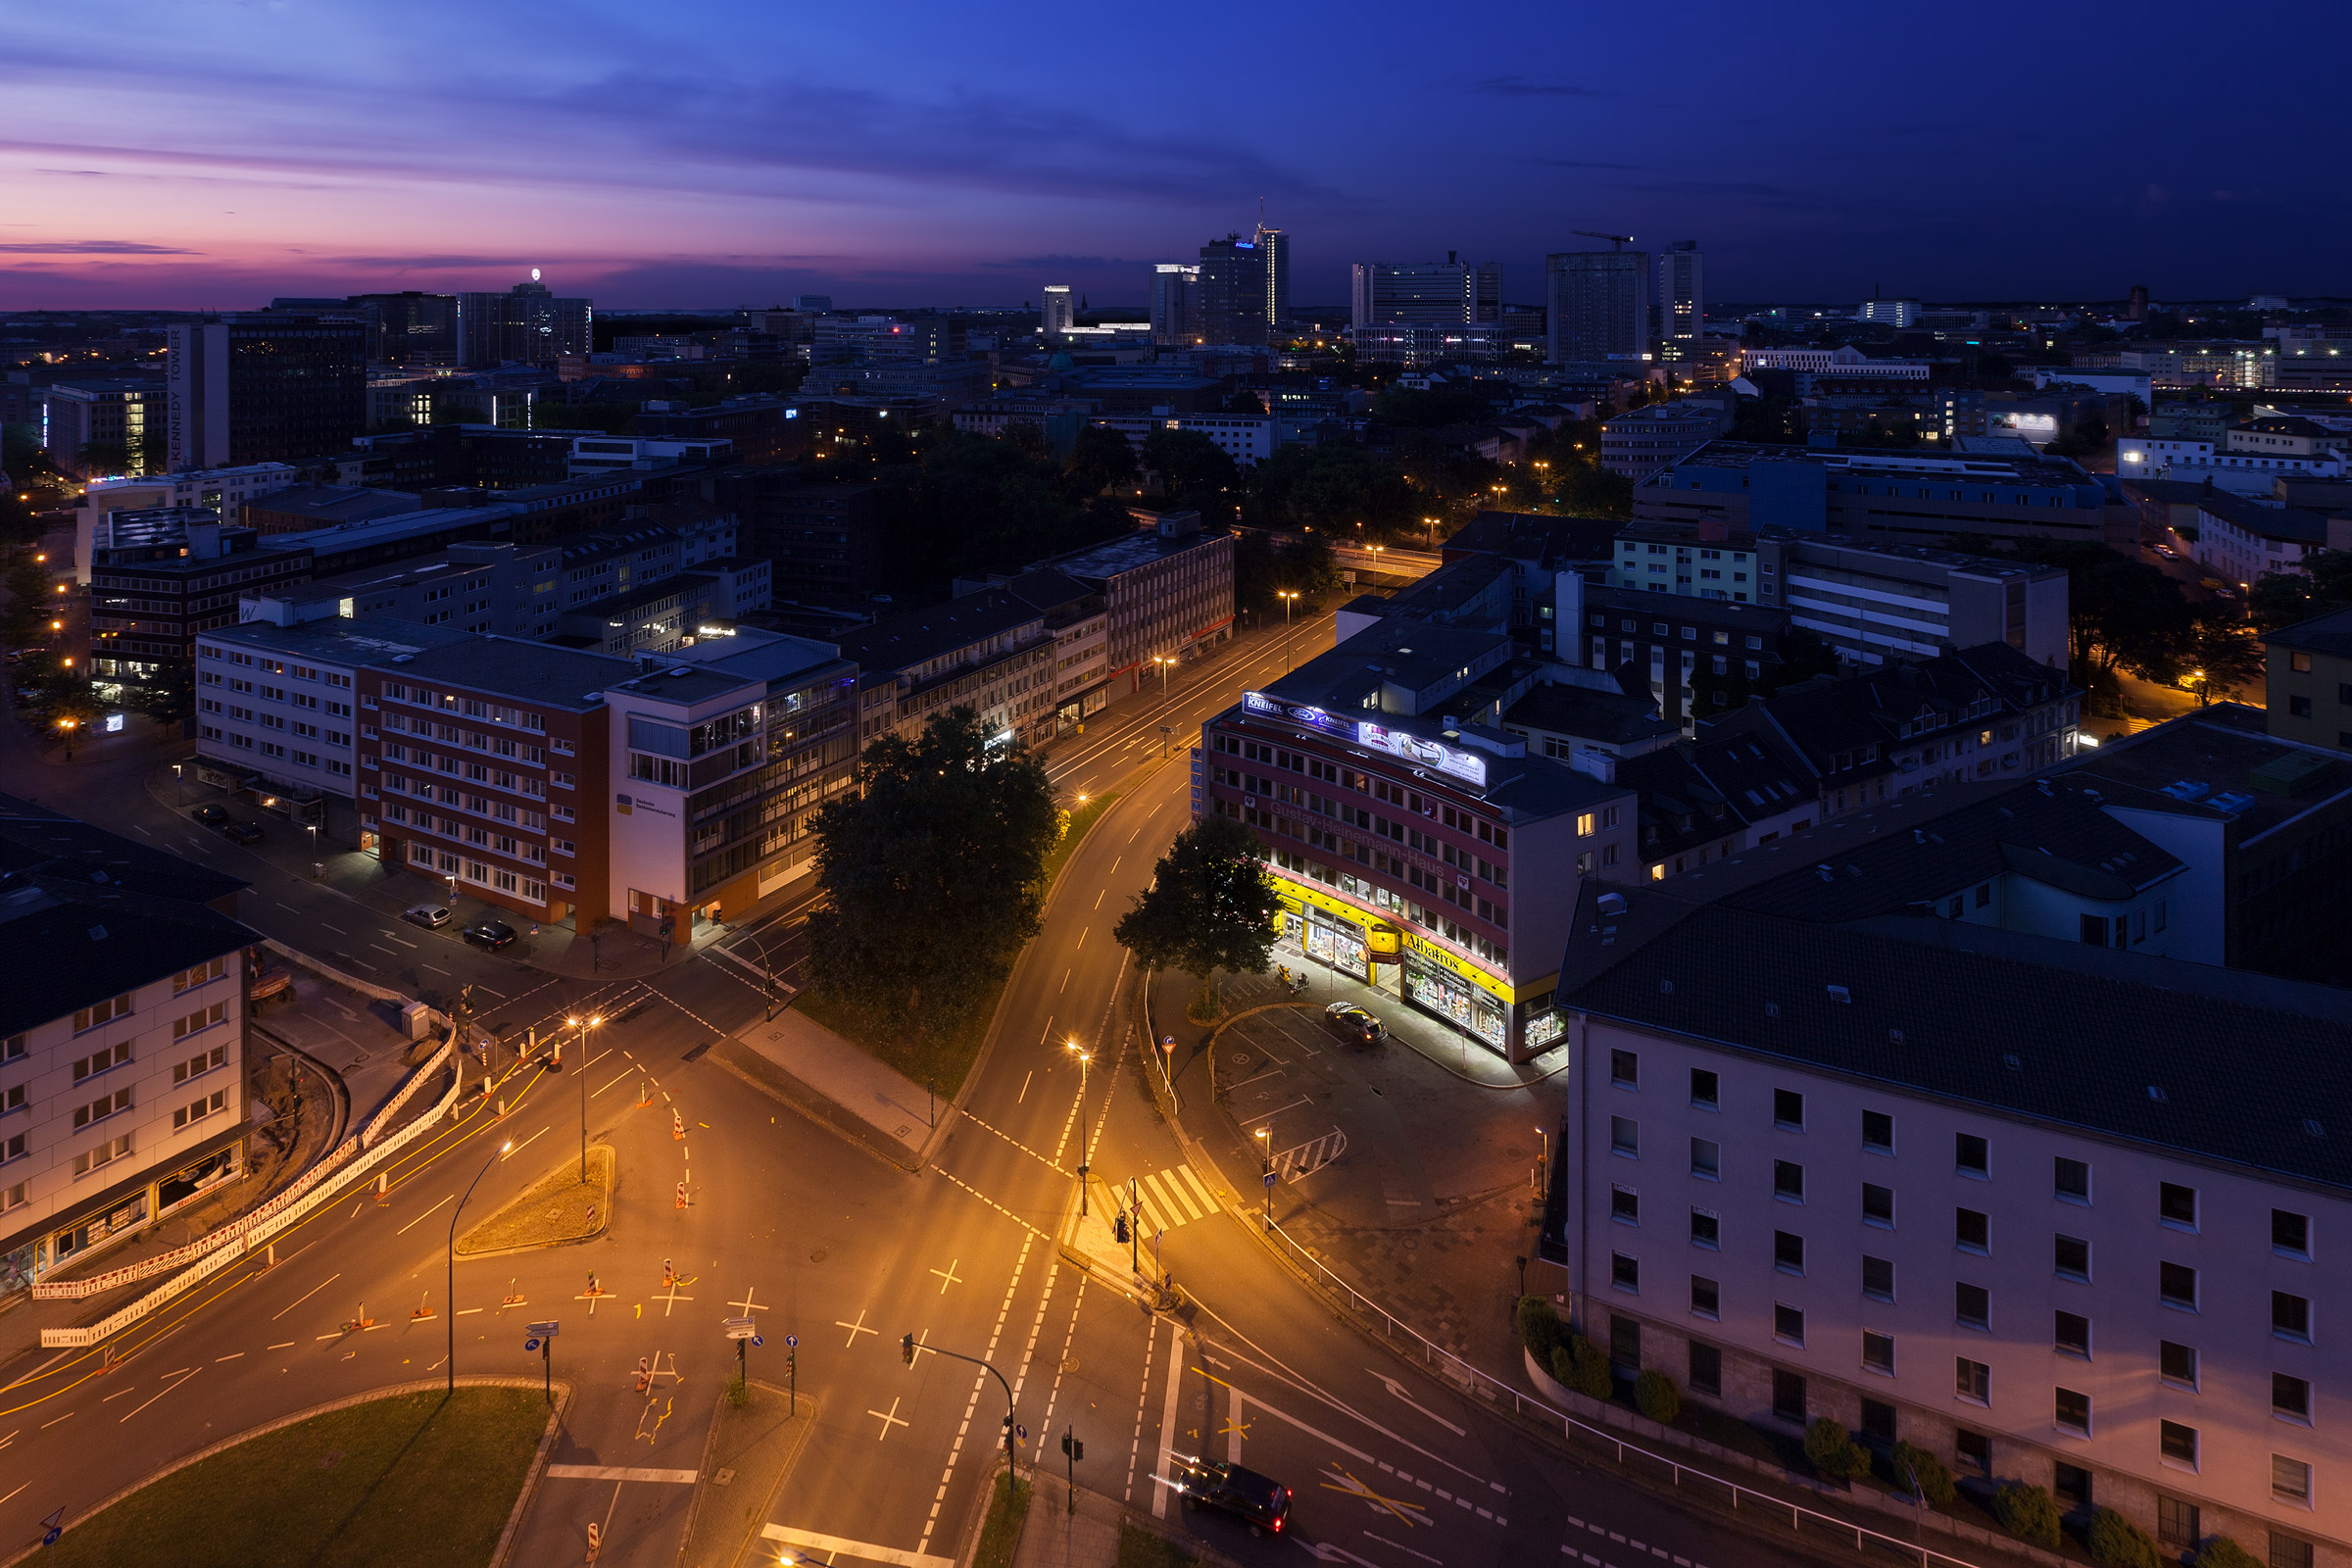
(814, 1237)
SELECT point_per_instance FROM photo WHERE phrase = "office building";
(759, 427)
(223, 492)
(1168, 591)
(1897, 313)
(122, 1039)
(263, 387)
(1638, 444)
(1274, 247)
(990, 651)
(2241, 539)
(1597, 307)
(1872, 497)
(1671, 649)
(2238, 471)
(1058, 314)
(1874, 602)
(1432, 857)
(1439, 294)
(275, 721)
(300, 508)
(160, 576)
(471, 586)
(1974, 1188)
(1173, 288)
(411, 327)
(1230, 294)
(813, 304)
(105, 427)
(1842, 363)
(529, 325)
(1679, 293)
(2307, 681)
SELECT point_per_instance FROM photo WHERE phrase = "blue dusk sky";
(711, 153)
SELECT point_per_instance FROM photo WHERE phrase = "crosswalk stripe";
(1164, 1201)
(1152, 1219)
(1208, 1199)
(1191, 1206)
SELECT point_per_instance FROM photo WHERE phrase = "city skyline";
(217, 159)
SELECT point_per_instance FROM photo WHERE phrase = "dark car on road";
(490, 934)
(241, 832)
(1259, 1501)
(1354, 1024)
(210, 815)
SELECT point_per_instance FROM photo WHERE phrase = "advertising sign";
(1468, 766)
(1300, 714)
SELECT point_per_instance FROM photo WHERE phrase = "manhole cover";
(722, 1478)
(1241, 1058)
(1069, 1363)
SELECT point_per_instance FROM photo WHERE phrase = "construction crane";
(1623, 240)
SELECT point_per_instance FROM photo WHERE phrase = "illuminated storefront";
(1438, 983)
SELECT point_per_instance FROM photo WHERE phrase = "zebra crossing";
(1171, 1197)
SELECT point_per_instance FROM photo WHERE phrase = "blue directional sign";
(757, 1341)
(530, 1345)
(1269, 1178)
(792, 1342)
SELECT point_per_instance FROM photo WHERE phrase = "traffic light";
(1118, 1227)
(907, 1349)
(1075, 1447)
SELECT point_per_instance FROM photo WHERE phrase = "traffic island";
(418, 1480)
(1000, 1531)
(556, 1210)
(749, 1457)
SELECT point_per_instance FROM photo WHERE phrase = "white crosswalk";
(1169, 1198)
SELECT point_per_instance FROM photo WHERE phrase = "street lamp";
(449, 1303)
(595, 1021)
(1084, 1056)
(1265, 1160)
(1288, 597)
(1165, 663)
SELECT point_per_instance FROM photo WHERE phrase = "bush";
(1657, 1397)
(2223, 1552)
(1935, 1480)
(2029, 1513)
(1580, 1365)
(1539, 1328)
(2115, 1541)
(1833, 1451)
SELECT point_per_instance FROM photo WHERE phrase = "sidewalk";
(1414, 1167)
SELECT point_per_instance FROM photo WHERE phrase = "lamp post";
(584, 1025)
(1288, 597)
(1084, 1056)
(1265, 1161)
(179, 792)
(449, 1303)
(1165, 663)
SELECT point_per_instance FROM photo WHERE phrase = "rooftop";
(508, 667)
(334, 639)
(1607, 718)
(2324, 634)
(344, 537)
(1736, 455)
(2264, 520)
(2205, 764)
(1413, 655)
(919, 636)
(1143, 547)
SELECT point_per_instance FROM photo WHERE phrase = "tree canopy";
(2283, 598)
(1191, 466)
(933, 873)
(1102, 457)
(974, 503)
(1209, 907)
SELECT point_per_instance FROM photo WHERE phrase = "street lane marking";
(618, 1472)
(288, 1346)
(283, 905)
(623, 1078)
(380, 947)
(1407, 1550)
(1016, 1142)
(1397, 1389)
(747, 1304)
(191, 1374)
(337, 929)
(218, 1359)
(428, 1214)
(1168, 1427)
(947, 1277)
(304, 1297)
(856, 1329)
(811, 1540)
(518, 1148)
(404, 942)
(68, 1416)
(889, 1419)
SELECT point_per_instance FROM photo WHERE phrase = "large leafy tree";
(976, 504)
(2323, 587)
(1190, 466)
(1101, 458)
(1209, 908)
(933, 872)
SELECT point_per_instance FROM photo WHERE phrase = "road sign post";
(792, 1374)
(744, 1332)
(1072, 1450)
(541, 1336)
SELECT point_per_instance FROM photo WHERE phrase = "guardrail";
(164, 1262)
(229, 1250)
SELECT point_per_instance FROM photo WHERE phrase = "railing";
(229, 1251)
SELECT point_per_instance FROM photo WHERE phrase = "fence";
(260, 1227)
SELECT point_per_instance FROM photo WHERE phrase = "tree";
(2223, 1552)
(2029, 1513)
(2115, 1541)
(1102, 457)
(1590, 490)
(1209, 907)
(1189, 464)
(1266, 564)
(2121, 613)
(2227, 652)
(973, 503)
(2283, 598)
(1833, 1451)
(1657, 1397)
(1922, 1466)
(933, 872)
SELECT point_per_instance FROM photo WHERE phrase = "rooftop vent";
(2013, 1064)
(400, 658)
(2314, 1128)
(97, 933)
(2233, 802)
(1772, 1009)
(1665, 988)
(2187, 789)
(1840, 994)
(2158, 1095)
(682, 670)
(1894, 1036)
(1612, 903)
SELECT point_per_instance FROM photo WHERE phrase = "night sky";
(192, 153)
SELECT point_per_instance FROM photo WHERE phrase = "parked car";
(241, 832)
(2225, 593)
(1354, 1024)
(431, 916)
(210, 815)
(1259, 1501)
(2168, 551)
(490, 935)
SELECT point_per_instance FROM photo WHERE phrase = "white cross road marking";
(672, 1298)
(947, 1276)
(747, 1304)
(811, 1540)
(890, 1418)
(615, 1472)
(856, 1329)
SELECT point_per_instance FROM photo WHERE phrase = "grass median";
(558, 1207)
(420, 1480)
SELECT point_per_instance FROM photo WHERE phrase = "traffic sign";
(757, 1341)
(545, 1331)
(530, 1345)
(740, 1328)
(792, 1342)
(1022, 1433)
(1167, 1043)
(1269, 1178)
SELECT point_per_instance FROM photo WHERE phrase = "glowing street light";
(584, 1025)
(1084, 1056)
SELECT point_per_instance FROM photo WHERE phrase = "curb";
(813, 1107)
(604, 1207)
(530, 1480)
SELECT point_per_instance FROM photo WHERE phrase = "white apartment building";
(2241, 539)
(122, 1040)
(274, 712)
(1248, 439)
(2058, 1214)
(2245, 473)
(1842, 360)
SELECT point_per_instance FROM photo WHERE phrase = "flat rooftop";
(2186, 765)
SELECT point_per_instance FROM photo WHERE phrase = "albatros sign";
(1451, 761)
